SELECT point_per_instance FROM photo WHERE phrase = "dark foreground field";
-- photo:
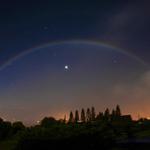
(105, 131)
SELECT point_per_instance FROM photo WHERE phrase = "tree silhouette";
(83, 118)
(113, 114)
(76, 116)
(48, 121)
(1, 120)
(17, 126)
(71, 118)
(93, 114)
(88, 115)
(99, 116)
(118, 111)
(64, 120)
(107, 114)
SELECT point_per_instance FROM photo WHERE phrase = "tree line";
(90, 115)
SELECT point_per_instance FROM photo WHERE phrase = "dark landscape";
(87, 130)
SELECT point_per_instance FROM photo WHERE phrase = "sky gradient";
(104, 44)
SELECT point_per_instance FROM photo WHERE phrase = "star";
(66, 67)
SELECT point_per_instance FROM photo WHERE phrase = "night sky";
(56, 56)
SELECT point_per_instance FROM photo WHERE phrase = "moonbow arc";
(94, 43)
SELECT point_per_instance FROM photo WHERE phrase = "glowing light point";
(66, 67)
(38, 122)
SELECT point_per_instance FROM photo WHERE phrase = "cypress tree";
(107, 114)
(88, 115)
(93, 114)
(118, 111)
(83, 118)
(71, 118)
(76, 116)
